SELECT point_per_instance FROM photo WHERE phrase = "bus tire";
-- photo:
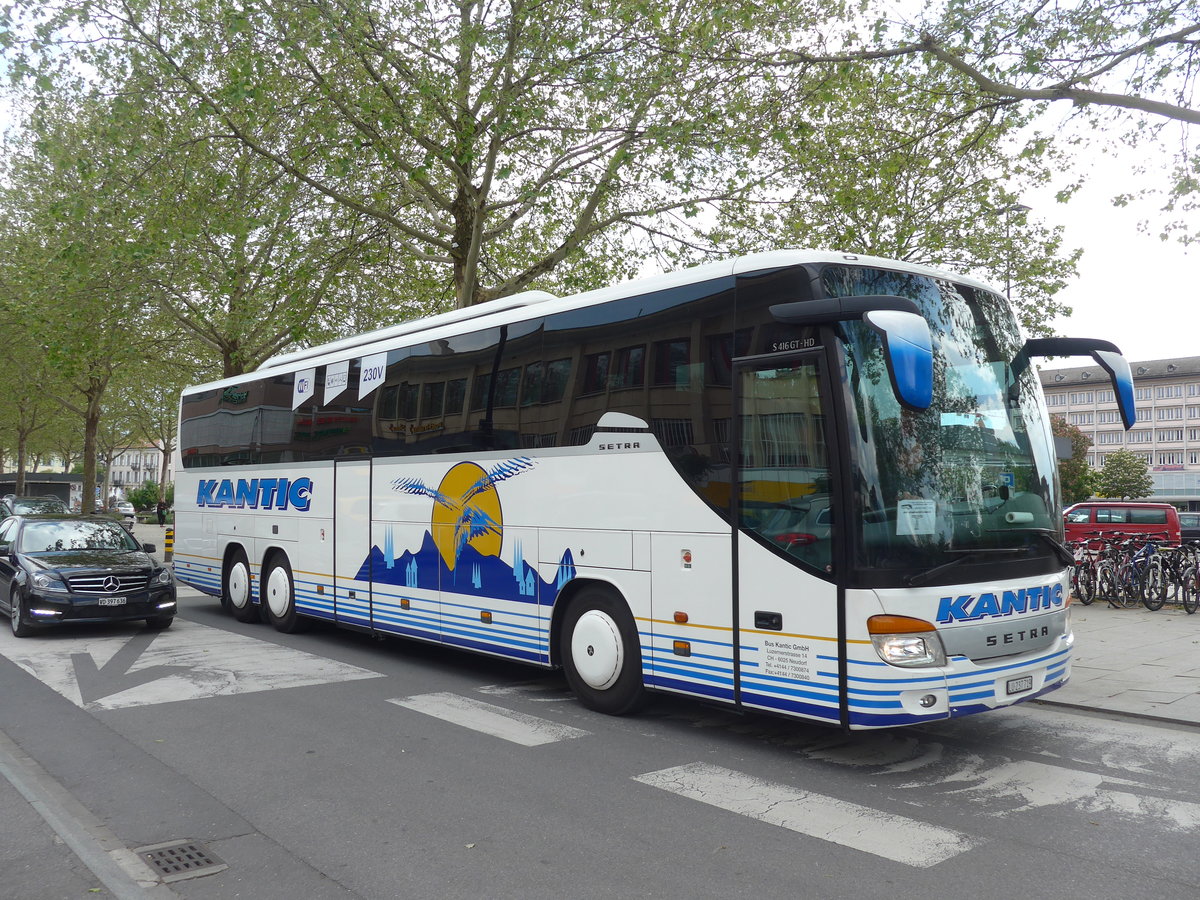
(237, 594)
(278, 595)
(602, 654)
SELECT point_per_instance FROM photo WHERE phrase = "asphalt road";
(332, 765)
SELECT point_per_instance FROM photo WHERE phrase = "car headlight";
(163, 577)
(45, 581)
(908, 642)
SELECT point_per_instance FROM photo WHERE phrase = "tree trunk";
(20, 485)
(91, 427)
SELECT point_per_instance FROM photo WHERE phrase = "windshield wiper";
(1061, 550)
(967, 555)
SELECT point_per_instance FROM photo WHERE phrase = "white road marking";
(897, 838)
(519, 728)
(197, 661)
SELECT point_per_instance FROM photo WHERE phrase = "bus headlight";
(904, 641)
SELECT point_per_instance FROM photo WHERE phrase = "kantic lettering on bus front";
(463, 547)
(255, 493)
(972, 607)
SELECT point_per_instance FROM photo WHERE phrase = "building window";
(671, 361)
(1109, 437)
(1193, 412)
(1170, 435)
(1108, 417)
(1056, 399)
(1168, 391)
(1170, 459)
(1145, 413)
(1167, 413)
(595, 373)
(1106, 397)
(1081, 418)
(1145, 436)
(630, 368)
(1082, 397)
(1143, 393)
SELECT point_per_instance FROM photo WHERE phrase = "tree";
(1128, 70)
(70, 256)
(1074, 474)
(1125, 476)
(492, 141)
(926, 183)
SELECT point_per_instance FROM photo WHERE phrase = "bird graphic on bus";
(466, 507)
(460, 551)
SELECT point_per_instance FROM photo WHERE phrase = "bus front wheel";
(602, 655)
(279, 597)
(237, 588)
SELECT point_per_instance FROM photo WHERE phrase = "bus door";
(352, 542)
(785, 597)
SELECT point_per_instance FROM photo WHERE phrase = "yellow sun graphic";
(467, 512)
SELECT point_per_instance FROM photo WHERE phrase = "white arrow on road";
(110, 669)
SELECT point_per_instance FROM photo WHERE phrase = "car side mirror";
(150, 548)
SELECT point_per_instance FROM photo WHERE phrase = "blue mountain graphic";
(474, 575)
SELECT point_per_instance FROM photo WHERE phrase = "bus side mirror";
(907, 345)
(908, 349)
(1104, 352)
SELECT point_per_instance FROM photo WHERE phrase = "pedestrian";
(161, 509)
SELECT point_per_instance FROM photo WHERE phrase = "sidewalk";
(1134, 662)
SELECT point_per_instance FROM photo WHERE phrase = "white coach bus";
(813, 484)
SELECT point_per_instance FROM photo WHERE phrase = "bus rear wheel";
(602, 654)
(237, 588)
(279, 597)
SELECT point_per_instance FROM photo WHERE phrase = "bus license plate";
(120, 601)
(1020, 685)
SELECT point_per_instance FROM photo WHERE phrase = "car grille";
(103, 584)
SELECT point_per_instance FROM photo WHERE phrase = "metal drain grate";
(181, 859)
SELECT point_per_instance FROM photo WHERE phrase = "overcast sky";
(1133, 288)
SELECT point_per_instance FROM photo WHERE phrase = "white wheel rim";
(239, 585)
(15, 613)
(597, 650)
(279, 591)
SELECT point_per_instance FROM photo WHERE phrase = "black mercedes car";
(65, 568)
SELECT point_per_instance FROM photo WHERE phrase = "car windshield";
(27, 505)
(59, 536)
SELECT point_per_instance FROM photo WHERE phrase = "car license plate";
(120, 601)
(1020, 685)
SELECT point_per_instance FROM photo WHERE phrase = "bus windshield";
(968, 478)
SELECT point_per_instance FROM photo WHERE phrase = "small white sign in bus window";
(372, 373)
(916, 517)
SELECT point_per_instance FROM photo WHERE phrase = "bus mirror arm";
(1105, 353)
(907, 345)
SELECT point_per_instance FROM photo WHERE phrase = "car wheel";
(279, 597)
(237, 588)
(601, 653)
(20, 628)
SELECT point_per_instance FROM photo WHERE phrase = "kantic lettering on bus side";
(256, 493)
(973, 607)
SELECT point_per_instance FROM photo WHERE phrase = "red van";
(1084, 520)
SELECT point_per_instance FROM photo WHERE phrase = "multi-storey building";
(1167, 433)
(135, 466)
